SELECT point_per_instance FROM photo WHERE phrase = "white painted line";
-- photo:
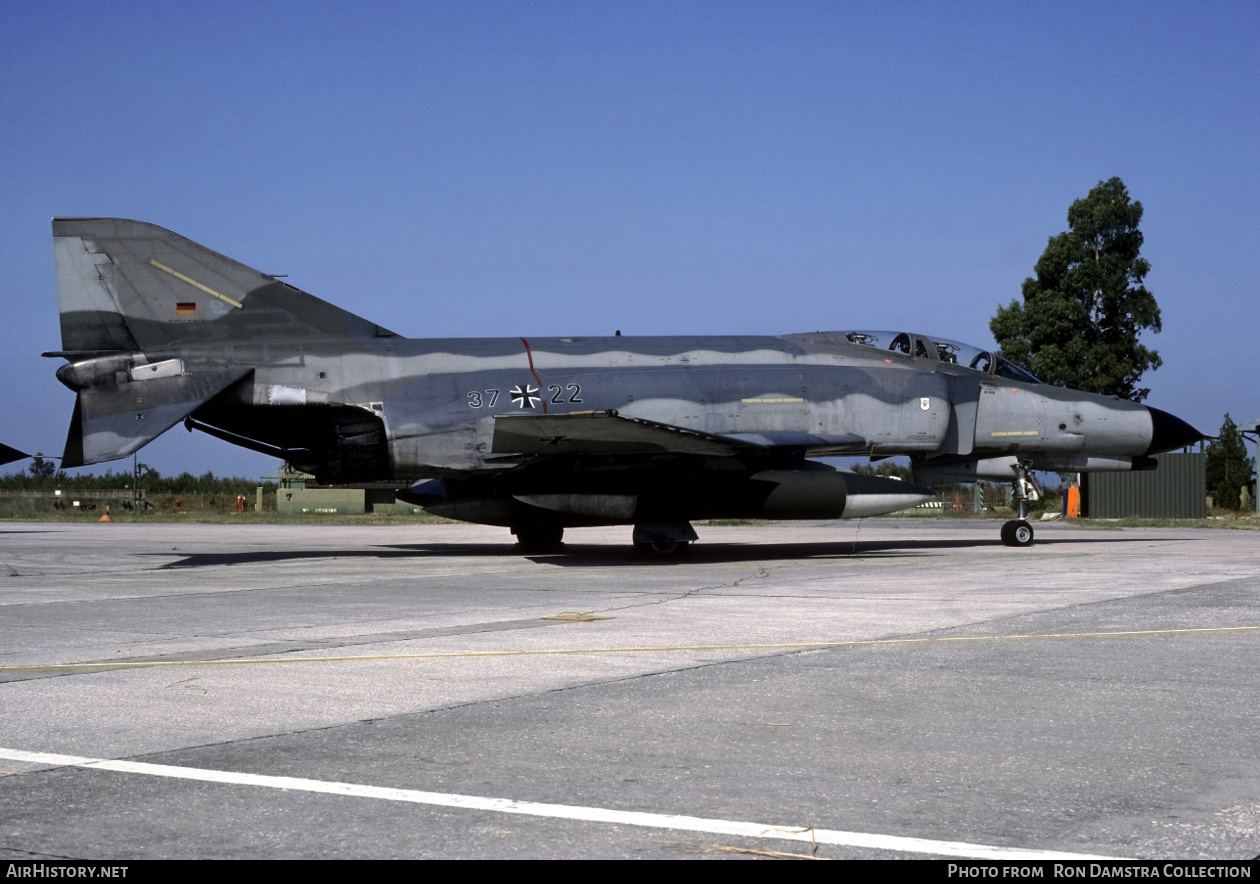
(555, 811)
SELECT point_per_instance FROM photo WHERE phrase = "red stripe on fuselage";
(535, 374)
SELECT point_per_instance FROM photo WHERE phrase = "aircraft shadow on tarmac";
(716, 553)
(584, 555)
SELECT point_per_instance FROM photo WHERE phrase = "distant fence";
(1176, 489)
(121, 500)
(325, 501)
(43, 501)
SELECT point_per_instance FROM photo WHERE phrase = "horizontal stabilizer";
(603, 433)
(9, 455)
(113, 421)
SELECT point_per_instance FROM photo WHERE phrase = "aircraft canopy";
(942, 350)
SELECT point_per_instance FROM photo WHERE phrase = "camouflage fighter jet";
(542, 434)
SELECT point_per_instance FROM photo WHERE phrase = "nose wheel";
(1017, 532)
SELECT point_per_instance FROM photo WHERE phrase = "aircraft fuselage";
(814, 394)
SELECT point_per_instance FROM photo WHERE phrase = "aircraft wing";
(604, 433)
(9, 455)
(609, 433)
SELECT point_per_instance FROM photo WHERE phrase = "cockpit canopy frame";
(939, 349)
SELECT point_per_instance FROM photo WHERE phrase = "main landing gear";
(663, 540)
(539, 538)
(656, 540)
(1018, 532)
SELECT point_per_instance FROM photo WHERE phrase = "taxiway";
(902, 687)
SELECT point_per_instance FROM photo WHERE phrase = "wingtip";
(9, 454)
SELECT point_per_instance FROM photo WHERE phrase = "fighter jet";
(543, 434)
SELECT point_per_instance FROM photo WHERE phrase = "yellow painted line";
(1017, 433)
(194, 283)
(823, 645)
(773, 400)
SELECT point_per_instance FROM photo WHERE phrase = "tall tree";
(1228, 466)
(1079, 323)
(40, 468)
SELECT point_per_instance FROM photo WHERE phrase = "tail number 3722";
(559, 396)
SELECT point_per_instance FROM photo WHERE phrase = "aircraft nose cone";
(1169, 432)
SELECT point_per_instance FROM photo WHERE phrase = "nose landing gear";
(1018, 532)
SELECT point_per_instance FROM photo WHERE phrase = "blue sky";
(485, 169)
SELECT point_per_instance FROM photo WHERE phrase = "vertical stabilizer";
(126, 285)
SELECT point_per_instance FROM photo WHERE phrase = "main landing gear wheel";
(1017, 533)
(659, 540)
(661, 549)
(539, 538)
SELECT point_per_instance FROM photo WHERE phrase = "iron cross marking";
(523, 397)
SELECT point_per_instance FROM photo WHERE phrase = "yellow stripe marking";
(864, 643)
(194, 283)
(1017, 433)
(773, 400)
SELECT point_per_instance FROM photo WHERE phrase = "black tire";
(540, 538)
(661, 549)
(1017, 533)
